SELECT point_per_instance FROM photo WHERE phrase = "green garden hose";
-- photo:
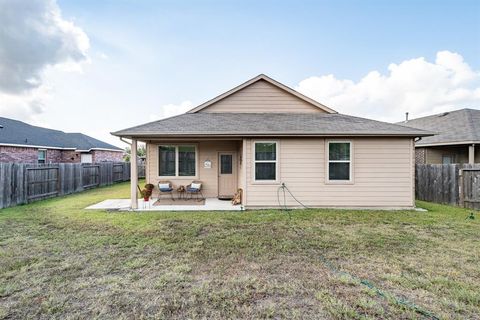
(379, 292)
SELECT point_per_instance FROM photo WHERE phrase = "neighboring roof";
(19, 133)
(454, 127)
(267, 124)
(269, 80)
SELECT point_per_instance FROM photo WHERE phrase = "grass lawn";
(60, 261)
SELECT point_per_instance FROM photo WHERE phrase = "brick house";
(21, 142)
(457, 136)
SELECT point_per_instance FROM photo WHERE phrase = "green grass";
(60, 261)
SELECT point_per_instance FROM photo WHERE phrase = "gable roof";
(18, 133)
(272, 82)
(454, 127)
(263, 124)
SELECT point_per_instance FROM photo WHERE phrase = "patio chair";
(195, 188)
(165, 187)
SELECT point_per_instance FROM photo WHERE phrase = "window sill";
(339, 182)
(265, 182)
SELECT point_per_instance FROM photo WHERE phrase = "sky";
(100, 66)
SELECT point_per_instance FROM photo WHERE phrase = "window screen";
(265, 161)
(339, 161)
(167, 161)
(186, 161)
(226, 164)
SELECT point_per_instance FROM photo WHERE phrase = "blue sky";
(192, 49)
(144, 55)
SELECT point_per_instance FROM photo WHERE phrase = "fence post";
(60, 179)
(461, 194)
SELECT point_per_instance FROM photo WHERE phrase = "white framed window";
(339, 166)
(86, 158)
(177, 160)
(265, 158)
(42, 156)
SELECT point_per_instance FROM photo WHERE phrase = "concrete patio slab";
(211, 204)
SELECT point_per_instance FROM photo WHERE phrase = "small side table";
(181, 192)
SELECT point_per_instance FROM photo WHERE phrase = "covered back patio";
(215, 165)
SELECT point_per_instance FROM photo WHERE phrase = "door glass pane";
(339, 171)
(186, 160)
(265, 171)
(265, 151)
(226, 164)
(339, 151)
(167, 160)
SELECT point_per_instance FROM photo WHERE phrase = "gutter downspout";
(129, 143)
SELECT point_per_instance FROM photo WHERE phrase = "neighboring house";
(21, 142)
(262, 134)
(456, 135)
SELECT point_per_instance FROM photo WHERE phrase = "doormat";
(179, 202)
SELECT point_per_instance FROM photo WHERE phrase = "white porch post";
(471, 154)
(133, 175)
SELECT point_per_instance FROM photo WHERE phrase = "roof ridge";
(31, 125)
(441, 113)
(18, 132)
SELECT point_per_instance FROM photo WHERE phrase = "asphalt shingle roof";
(18, 132)
(455, 126)
(251, 124)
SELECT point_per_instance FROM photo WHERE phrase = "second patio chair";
(195, 188)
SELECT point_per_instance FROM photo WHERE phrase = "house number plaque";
(207, 164)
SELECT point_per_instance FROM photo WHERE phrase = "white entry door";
(227, 175)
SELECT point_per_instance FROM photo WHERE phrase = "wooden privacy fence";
(470, 188)
(452, 184)
(21, 183)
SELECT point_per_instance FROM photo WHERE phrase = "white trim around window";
(44, 153)
(350, 161)
(176, 146)
(276, 161)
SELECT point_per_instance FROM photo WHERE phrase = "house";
(262, 134)
(21, 142)
(457, 133)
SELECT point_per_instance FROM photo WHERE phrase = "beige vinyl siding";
(206, 150)
(382, 173)
(261, 97)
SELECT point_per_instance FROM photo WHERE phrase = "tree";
(141, 152)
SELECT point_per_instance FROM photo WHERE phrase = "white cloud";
(33, 35)
(27, 106)
(415, 86)
(170, 110)
(33, 38)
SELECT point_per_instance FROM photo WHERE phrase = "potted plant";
(146, 192)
